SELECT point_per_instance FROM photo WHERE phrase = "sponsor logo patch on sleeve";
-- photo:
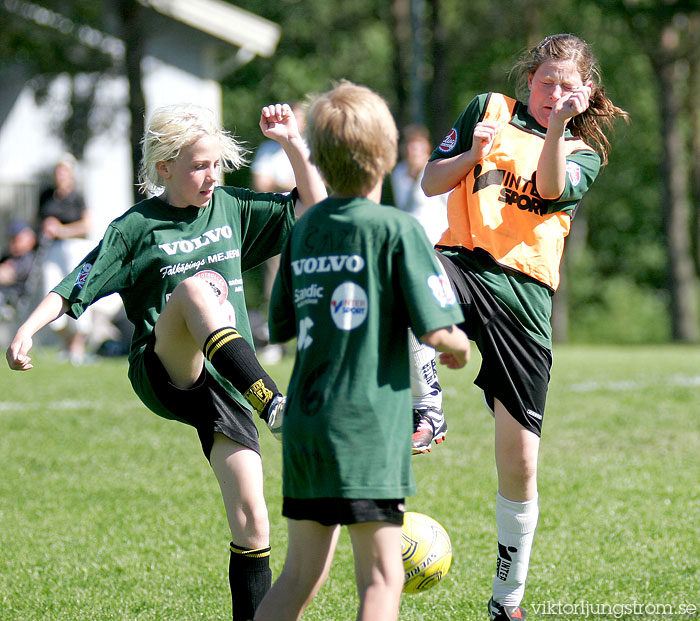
(448, 142)
(442, 290)
(574, 172)
(82, 276)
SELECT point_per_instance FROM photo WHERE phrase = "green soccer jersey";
(528, 301)
(149, 250)
(354, 276)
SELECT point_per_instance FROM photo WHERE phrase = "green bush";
(621, 312)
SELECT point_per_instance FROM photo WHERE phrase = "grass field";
(108, 512)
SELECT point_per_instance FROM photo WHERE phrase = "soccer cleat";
(499, 612)
(275, 416)
(429, 425)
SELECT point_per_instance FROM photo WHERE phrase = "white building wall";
(26, 140)
(166, 84)
(29, 147)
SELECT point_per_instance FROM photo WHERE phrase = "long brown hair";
(593, 124)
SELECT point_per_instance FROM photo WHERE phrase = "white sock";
(516, 522)
(425, 387)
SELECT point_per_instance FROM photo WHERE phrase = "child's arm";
(452, 342)
(278, 123)
(50, 308)
(551, 167)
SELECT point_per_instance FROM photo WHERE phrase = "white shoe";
(275, 416)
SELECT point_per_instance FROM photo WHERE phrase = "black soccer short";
(346, 511)
(206, 406)
(515, 368)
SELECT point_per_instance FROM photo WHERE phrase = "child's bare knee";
(195, 292)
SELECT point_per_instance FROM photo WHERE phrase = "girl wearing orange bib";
(517, 172)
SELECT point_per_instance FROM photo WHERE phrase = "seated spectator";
(16, 266)
(65, 225)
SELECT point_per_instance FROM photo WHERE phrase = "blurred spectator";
(15, 267)
(65, 224)
(272, 172)
(430, 211)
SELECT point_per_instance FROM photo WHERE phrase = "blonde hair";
(592, 124)
(173, 127)
(67, 160)
(352, 137)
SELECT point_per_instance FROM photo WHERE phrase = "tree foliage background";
(429, 58)
(617, 259)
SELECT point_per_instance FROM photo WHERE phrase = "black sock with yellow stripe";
(234, 358)
(250, 577)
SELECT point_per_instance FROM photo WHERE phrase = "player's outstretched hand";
(16, 353)
(277, 122)
(452, 343)
(455, 360)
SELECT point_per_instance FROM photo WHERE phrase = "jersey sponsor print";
(190, 245)
(332, 263)
(220, 287)
(348, 306)
(217, 283)
(308, 295)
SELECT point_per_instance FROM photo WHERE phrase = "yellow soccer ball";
(426, 550)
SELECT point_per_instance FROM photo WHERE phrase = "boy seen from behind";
(354, 276)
